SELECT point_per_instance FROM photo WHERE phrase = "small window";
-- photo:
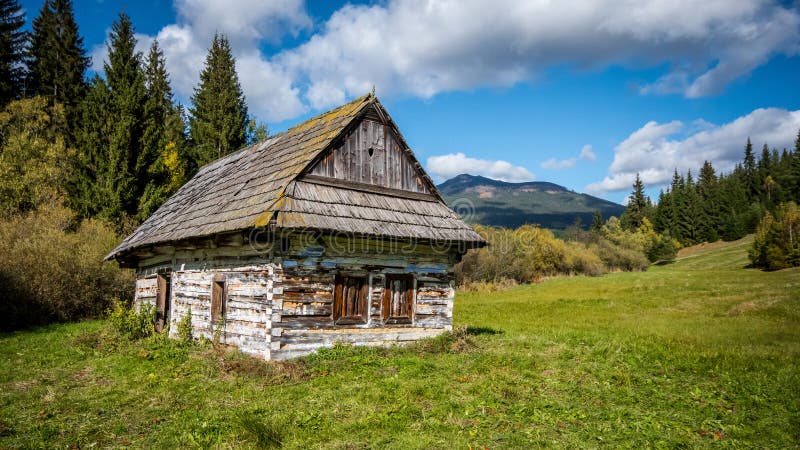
(217, 301)
(350, 300)
(398, 299)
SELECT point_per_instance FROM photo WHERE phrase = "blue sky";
(580, 93)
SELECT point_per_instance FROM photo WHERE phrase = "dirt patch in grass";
(234, 362)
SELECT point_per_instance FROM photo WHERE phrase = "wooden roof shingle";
(247, 188)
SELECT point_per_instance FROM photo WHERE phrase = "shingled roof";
(264, 183)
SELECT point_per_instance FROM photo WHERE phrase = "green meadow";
(699, 353)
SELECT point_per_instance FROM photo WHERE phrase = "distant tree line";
(759, 195)
(128, 145)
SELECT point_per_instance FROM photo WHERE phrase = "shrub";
(777, 241)
(185, 327)
(52, 268)
(132, 323)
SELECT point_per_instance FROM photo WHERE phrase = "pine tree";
(638, 206)
(708, 194)
(597, 221)
(161, 164)
(110, 138)
(91, 191)
(218, 120)
(749, 168)
(12, 51)
(793, 172)
(57, 58)
(126, 81)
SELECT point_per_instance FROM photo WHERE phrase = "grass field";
(700, 353)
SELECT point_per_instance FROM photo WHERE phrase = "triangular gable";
(373, 152)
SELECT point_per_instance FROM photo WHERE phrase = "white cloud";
(246, 23)
(587, 153)
(447, 166)
(422, 47)
(554, 164)
(655, 152)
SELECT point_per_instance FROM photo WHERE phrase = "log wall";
(283, 307)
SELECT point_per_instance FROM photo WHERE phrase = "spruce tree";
(126, 81)
(162, 161)
(218, 119)
(92, 191)
(638, 206)
(57, 58)
(793, 172)
(12, 51)
(708, 194)
(749, 169)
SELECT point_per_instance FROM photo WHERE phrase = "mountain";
(498, 203)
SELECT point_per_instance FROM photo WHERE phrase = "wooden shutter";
(217, 301)
(162, 301)
(350, 300)
(398, 299)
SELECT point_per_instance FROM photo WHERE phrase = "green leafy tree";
(218, 119)
(57, 58)
(12, 51)
(777, 241)
(33, 155)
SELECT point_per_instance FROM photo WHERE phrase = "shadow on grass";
(477, 331)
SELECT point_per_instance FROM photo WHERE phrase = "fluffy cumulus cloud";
(268, 87)
(587, 153)
(424, 47)
(447, 166)
(657, 149)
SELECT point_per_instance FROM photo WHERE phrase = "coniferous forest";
(759, 195)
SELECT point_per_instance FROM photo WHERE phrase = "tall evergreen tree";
(162, 162)
(111, 132)
(57, 58)
(793, 172)
(91, 191)
(749, 169)
(218, 119)
(12, 51)
(638, 206)
(126, 81)
(708, 196)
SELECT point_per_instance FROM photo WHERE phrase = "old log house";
(330, 231)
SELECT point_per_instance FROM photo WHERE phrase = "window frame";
(342, 293)
(407, 296)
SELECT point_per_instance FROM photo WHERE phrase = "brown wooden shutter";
(217, 301)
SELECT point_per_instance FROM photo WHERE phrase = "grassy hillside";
(497, 203)
(699, 353)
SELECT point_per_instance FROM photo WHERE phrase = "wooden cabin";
(328, 232)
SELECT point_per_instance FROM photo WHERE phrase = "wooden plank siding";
(370, 154)
(284, 308)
